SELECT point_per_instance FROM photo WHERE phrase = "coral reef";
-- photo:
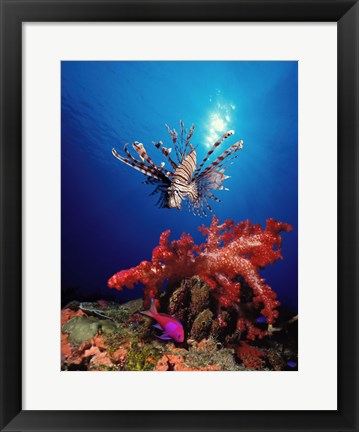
(127, 343)
(231, 318)
(228, 261)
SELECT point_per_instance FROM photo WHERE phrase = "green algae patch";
(81, 328)
(142, 357)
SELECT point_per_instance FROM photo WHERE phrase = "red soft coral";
(170, 261)
(230, 251)
(250, 356)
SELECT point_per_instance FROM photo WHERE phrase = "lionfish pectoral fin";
(212, 149)
(138, 166)
(114, 152)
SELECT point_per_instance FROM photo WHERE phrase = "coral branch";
(250, 356)
(231, 256)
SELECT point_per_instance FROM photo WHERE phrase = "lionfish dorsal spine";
(166, 152)
(174, 136)
(188, 142)
(235, 147)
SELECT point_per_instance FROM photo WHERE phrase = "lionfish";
(184, 182)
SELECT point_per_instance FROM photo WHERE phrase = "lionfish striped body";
(184, 182)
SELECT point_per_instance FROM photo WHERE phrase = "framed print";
(179, 215)
(191, 287)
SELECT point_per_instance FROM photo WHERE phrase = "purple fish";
(172, 328)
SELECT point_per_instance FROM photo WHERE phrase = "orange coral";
(92, 352)
(67, 314)
(183, 368)
(119, 356)
(99, 342)
(65, 346)
(176, 363)
(162, 364)
(101, 359)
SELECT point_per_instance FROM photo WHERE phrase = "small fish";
(261, 320)
(292, 364)
(172, 328)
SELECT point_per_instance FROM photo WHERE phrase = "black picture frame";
(16, 12)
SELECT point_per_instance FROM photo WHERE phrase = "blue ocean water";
(109, 221)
